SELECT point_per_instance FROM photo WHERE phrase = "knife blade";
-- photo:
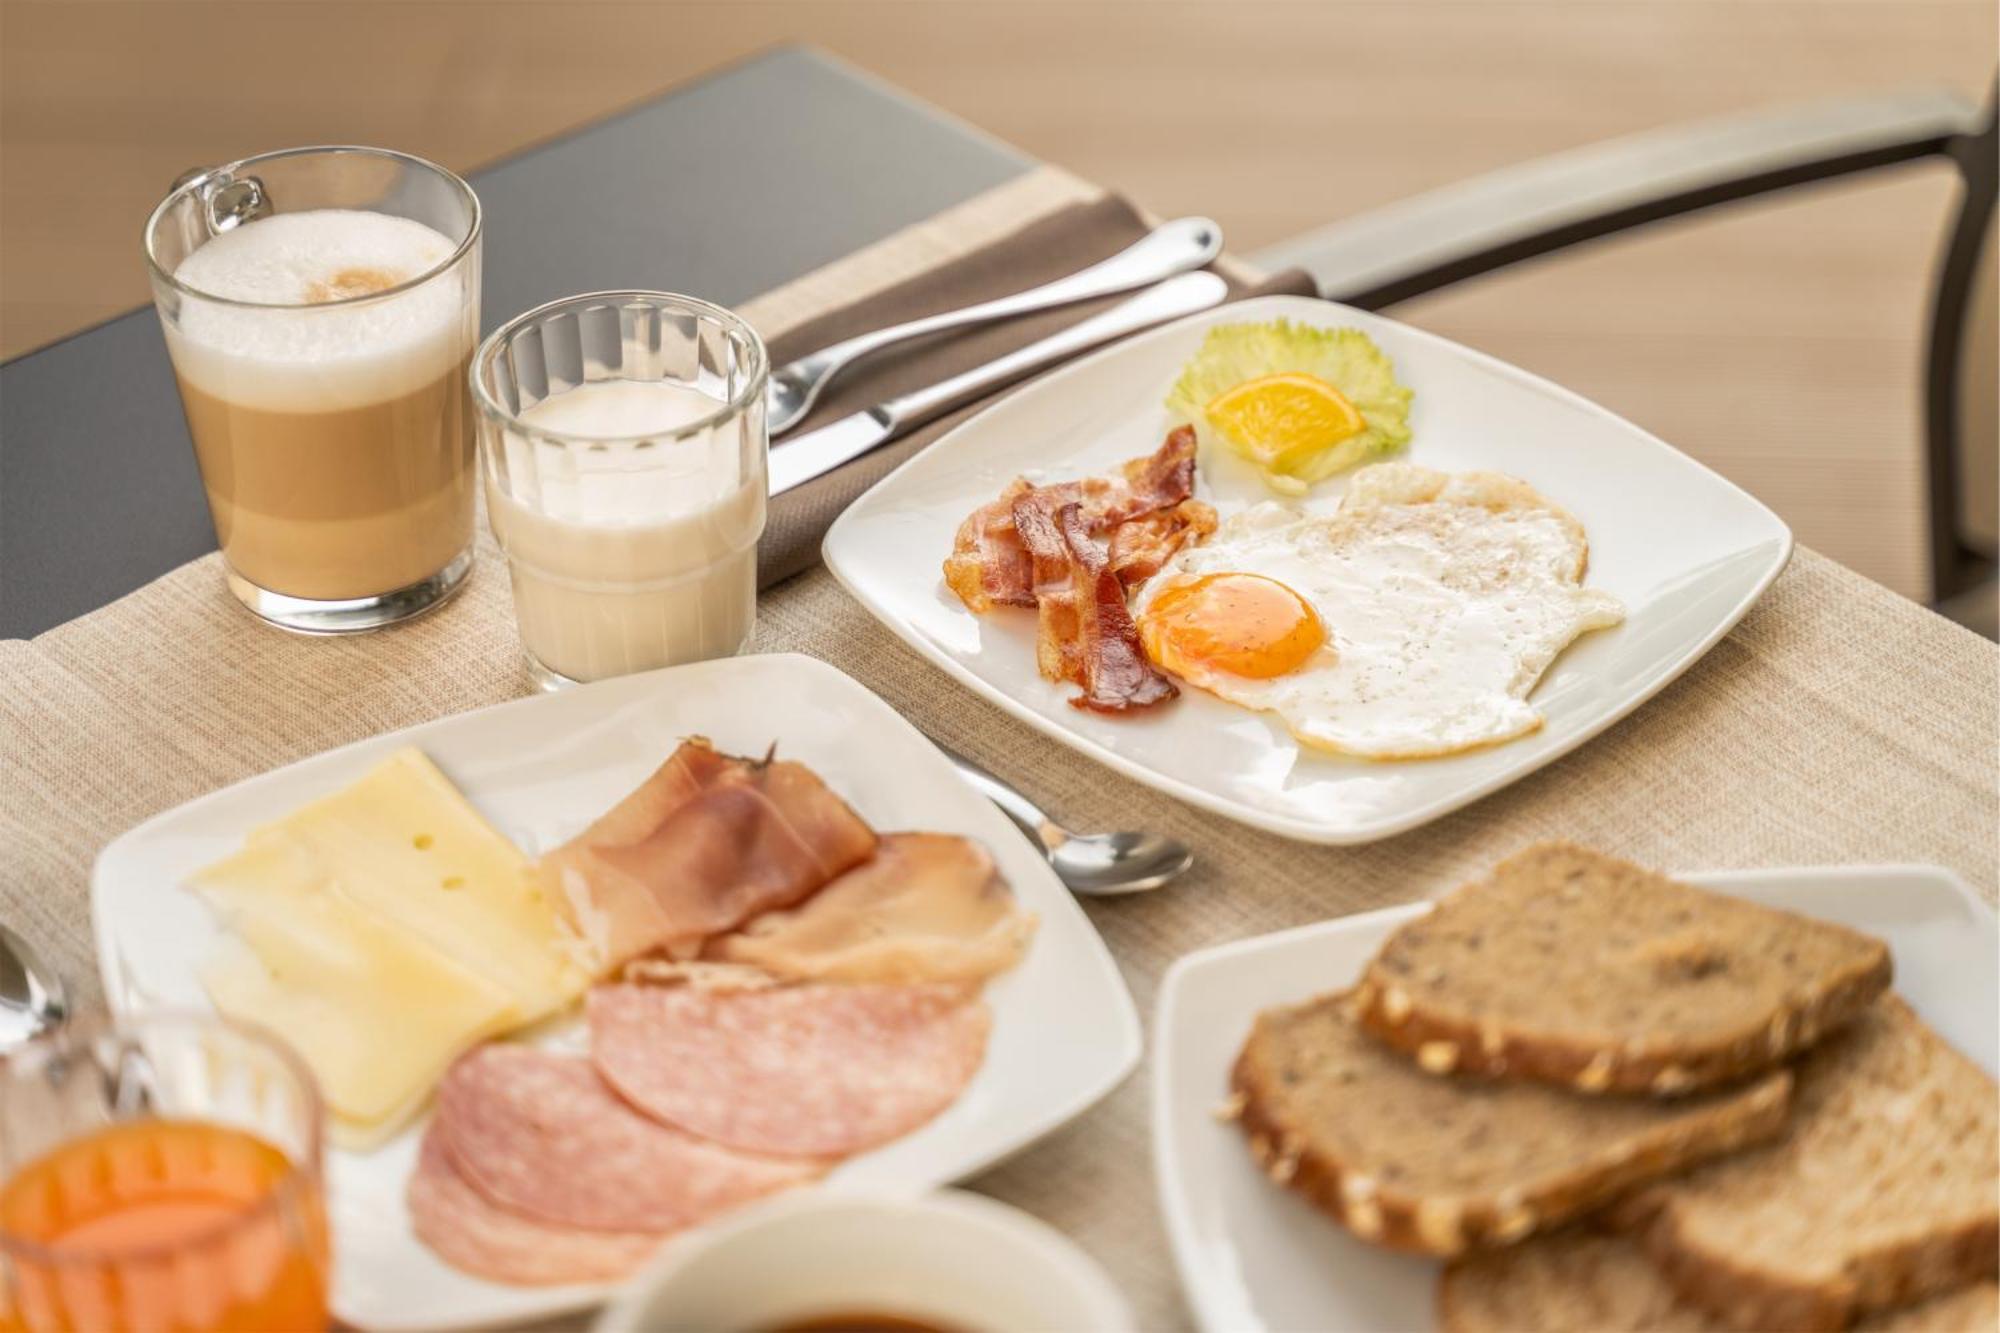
(803, 457)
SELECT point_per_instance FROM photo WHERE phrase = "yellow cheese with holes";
(404, 844)
(375, 1012)
(382, 930)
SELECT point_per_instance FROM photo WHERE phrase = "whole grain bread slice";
(1886, 1189)
(1581, 1281)
(1438, 1166)
(1576, 968)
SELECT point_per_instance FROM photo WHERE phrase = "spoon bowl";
(32, 998)
(1091, 865)
(1105, 865)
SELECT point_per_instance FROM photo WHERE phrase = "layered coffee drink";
(327, 401)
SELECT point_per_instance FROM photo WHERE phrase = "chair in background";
(1436, 239)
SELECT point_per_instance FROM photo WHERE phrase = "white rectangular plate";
(1065, 1031)
(1687, 552)
(1253, 1256)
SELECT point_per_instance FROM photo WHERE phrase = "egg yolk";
(1244, 624)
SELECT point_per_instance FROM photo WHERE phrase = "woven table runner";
(1838, 723)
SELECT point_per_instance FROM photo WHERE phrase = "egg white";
(1445, 597)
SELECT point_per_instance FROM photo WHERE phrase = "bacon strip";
(705, 843)
(1016, 552)
(1116, 674)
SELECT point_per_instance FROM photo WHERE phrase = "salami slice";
(815, 1070)
(471, 1233)
(540, 1133)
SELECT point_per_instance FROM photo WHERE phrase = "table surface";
(1838, 723)
(723, 188)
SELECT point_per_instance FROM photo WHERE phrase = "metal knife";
(817, 452)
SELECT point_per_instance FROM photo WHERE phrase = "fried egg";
(1413, 621)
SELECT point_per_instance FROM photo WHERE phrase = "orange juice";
(164, 1226)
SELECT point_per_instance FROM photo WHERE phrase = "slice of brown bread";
(1437, 1165)
(1885, 1190)
(1572, 967)
(1580, 1281)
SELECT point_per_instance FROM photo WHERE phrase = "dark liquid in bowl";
(861, 1321)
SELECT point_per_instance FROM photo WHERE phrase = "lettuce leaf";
(1348, 359)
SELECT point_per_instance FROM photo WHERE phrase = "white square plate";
(1255, 1257)
(1686, 551)
(1065, 1031)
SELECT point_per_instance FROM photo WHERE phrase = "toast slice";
(1579, 1281)
(1886, 1190)
(1438, 1166)
(1575, 968)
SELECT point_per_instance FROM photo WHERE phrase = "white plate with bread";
(1751, 1077)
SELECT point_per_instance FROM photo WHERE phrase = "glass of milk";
(624, 449)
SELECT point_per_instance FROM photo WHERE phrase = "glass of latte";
(625, 450)
(321, 306)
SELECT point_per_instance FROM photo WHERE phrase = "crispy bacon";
(1115, 673)
(705, 843)
(1141, 548)
(1016, 552)
(988, 566)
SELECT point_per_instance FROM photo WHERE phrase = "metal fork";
(1172, 247)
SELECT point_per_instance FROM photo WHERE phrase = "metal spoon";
(1093, 865)
(32, 998)
(1170, 248)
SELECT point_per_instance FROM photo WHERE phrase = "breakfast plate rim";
(1346, 833)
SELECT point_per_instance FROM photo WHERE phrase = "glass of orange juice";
(160, 1174)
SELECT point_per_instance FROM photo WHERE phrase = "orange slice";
(1270, 417)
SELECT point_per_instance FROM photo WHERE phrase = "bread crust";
(1443, 1039)
(1444, 1227)
(1576, 1280)
(1745, 1295)
(1482, 1050)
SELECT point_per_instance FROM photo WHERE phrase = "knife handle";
(1170, 248)
(1177, 296)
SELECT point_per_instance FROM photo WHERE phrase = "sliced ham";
(811, 1070)
(472, 1233)
(705, 843)
(540, 1134)
(925, 907)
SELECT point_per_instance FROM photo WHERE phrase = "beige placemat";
(1839, 723)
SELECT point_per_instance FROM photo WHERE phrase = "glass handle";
(226, 201)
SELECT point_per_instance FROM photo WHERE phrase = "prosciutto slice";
(812, 1070)
(472, 1233)
(705, 843)
(540, 1134)
(925, 907)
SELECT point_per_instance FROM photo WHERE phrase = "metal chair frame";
(1474, 227)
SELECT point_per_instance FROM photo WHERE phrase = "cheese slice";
(406, 846)
(375, 1012)
(382, 931)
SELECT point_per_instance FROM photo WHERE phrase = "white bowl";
(951, 1258)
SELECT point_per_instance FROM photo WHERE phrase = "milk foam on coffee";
(329, 357)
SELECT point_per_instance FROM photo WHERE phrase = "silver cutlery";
(1172, 247)
(1093, 865)
(32, 998)
(820, 451)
